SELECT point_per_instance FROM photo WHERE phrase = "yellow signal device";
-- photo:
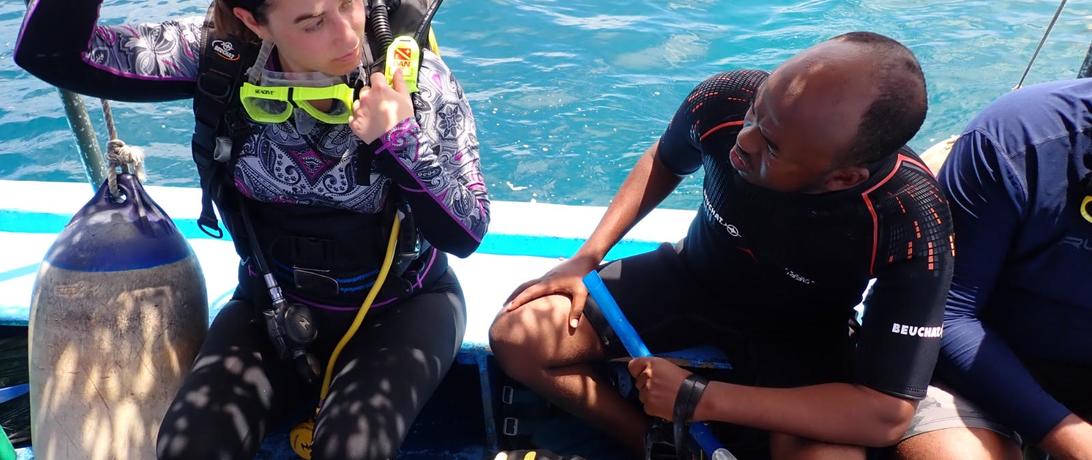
(403, 54)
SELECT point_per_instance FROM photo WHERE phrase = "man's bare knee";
(527, 324)
(536, 336)
(506, 343)
(501, 332)
(519, 339)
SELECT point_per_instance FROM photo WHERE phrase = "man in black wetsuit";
(809, 193)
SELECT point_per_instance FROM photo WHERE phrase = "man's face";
(804, 120)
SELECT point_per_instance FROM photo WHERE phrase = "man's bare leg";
(535, 345)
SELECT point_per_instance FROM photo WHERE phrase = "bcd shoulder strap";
(221, 69)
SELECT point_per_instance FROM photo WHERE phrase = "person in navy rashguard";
(1016, 358)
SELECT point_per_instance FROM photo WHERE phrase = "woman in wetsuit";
(311, 196)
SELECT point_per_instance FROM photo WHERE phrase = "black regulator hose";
(379, 19)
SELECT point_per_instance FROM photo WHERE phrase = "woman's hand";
(380, 107)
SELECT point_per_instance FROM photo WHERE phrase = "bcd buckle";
(222, 152)
(316, 282)
(511, 426)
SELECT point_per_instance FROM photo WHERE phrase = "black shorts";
(671, 310)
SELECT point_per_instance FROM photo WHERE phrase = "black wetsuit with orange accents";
(796, 261)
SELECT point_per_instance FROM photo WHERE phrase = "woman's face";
(315, 35)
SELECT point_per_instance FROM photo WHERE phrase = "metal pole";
(86, 141)
(1086, 68)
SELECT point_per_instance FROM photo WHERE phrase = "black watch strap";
(686, 400)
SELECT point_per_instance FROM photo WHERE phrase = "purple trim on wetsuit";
(423, 273)
(396, 137)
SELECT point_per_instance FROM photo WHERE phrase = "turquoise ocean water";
(568, 94)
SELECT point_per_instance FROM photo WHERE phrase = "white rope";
(121, 158)
(125, 159)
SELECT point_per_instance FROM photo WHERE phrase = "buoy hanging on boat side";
(118, 314)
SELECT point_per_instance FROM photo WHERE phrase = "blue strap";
(12, 392)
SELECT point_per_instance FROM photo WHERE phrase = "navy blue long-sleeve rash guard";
(1021, 290)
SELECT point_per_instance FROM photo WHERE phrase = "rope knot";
(123, 159)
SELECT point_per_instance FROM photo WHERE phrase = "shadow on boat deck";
(452, 424)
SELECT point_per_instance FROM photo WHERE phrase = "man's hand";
(380, 107)
(658, 381)
(566, 279)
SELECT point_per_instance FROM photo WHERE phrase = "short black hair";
(899, 109)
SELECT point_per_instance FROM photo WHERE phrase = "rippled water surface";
(567, 94)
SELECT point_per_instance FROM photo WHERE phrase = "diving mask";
(274, 104)
(270, 97)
